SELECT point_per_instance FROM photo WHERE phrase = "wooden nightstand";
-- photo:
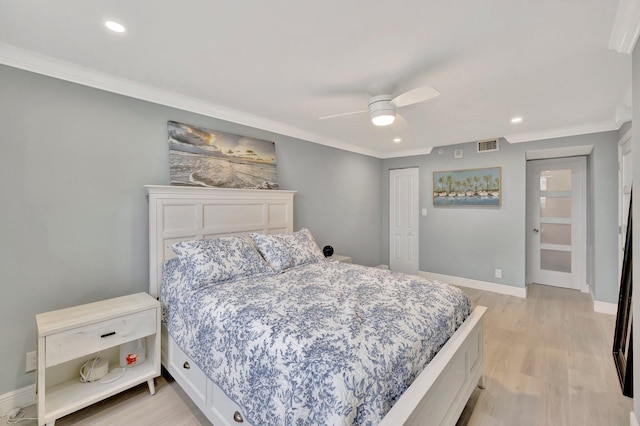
(341, 258)
(69, 337)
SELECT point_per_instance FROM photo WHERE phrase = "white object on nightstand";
(71, 336)
(341, 258)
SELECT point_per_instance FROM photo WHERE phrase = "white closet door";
(404, 233)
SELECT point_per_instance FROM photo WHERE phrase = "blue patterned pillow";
(221, 259)
(284, 251)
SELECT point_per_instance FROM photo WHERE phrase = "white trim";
(408, 153)
(624, 147)
(382, 266)
(583, 129)
(605, 307)
(18, 398)
(633, 420)
(52, 67)
(567, 151)
(625, 137)
(480, 285)
(626, 28)
(624, 113)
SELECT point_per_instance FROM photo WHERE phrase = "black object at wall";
(328, 251)
(623, 337)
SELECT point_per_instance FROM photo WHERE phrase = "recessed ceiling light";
(115, 27)
(397, 140)
(516, 120)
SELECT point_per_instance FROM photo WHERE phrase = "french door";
(557, 222)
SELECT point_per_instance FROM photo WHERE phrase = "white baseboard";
(480, 285)
(382, 266)
(18, 398)
(605, 308)
(633, 419)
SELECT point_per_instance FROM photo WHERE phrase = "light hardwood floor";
(547, 362)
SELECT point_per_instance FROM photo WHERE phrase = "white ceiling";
(280, 64)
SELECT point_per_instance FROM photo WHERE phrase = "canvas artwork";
(205, 157)
(471, 187)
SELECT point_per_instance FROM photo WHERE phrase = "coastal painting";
(205, 157)
(471, 187)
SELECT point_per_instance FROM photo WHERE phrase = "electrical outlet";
(498, 273)
(31, 362)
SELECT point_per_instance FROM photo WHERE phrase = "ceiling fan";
(383, 103)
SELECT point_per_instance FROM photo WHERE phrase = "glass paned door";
(556, 236)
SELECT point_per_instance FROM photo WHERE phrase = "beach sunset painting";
(205, 157)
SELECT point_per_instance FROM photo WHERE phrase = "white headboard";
(178, 213)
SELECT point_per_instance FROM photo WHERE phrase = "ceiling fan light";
(383, 117)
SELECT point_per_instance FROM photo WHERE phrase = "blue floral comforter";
(326, 343)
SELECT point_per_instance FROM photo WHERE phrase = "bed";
(437, 394)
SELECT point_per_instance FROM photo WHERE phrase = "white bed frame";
(436, 397)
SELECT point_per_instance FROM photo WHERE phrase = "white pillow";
(285, 251)
(221, 259)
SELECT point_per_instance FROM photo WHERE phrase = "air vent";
(489, 145)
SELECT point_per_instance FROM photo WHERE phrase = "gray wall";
(74, 217)
(74, 221)
(473, 242)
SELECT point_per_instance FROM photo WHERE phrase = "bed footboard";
(441, 391)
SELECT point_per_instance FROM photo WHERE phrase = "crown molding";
(583, 129)
(408, 153)
(623, 113)
(564, 151)
(41, 64)
(626, 28)
(52, 67)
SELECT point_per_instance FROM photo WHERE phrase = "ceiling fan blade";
(413, 96)
(399, 124)
(342, 115)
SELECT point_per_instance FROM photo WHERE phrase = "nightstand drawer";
(74, 343)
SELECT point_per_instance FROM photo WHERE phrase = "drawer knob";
(237, 417)
(186, 365)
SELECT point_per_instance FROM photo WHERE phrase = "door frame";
(415, 215)
(579, 269)
(624, 147)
